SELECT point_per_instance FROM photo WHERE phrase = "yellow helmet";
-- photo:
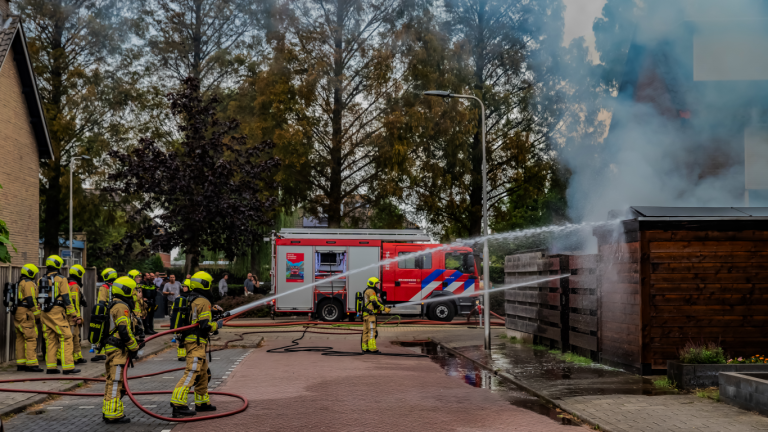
(54, 261)
(29, 270)
(123, 286)
(201, 280)
(108, 274)
(372, 282)
(187, 283)
(77, 271)
(134, 273)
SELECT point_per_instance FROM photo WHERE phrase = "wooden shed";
(670, 274)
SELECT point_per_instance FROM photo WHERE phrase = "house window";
(77, 255)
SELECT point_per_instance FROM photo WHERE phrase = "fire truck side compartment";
(301, 299)
(360, 257)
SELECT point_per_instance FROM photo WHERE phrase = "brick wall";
(20, 196)
(5, 9)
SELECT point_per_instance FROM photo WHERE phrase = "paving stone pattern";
(307, 391)
(71, 413)
(678, 413)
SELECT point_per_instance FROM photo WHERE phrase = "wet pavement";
(605, 398)
(468, 372)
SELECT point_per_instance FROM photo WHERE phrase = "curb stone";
(22, 406)
(582, 417)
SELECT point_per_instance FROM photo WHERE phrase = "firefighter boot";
(34, 368)
(21, 368)
(182, 411)
(365, 347)
(372, 346)
(205, 407)
(121, 420)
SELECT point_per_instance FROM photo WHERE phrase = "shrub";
(702, 353)
(229, 303)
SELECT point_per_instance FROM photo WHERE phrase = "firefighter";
(149, 291)
(108, 275)
(181, 352)
(27, 313)
(195, 340)
(371, 307)
(137, 300)
(56, 315)
(76, 274)
(120, 345)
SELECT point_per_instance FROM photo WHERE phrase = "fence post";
(7, 353)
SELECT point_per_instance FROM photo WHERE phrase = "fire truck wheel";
(329, 310)
(441, 311)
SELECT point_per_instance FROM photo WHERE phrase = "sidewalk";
(614, 400)
(12, 403)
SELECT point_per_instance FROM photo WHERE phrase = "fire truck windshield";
(461, 261)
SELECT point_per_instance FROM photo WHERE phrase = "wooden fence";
(537, 309)
(561, 313)
(9, 273)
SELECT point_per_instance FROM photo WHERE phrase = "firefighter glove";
(219, 324)
(386, 310)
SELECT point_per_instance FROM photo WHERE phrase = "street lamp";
(486, 264)
(71, 165)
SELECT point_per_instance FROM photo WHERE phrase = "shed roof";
(12, 38)
(699, 212)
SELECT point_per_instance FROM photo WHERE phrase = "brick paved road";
(308, 391)
(70, 413)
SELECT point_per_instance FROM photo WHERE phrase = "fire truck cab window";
(419, 262)
(463, 262)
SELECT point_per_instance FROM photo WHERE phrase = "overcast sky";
(579, 16)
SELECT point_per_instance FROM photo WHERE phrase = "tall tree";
(88, 82)
(211, 40)
(337, 62)
(213, 190)
(484, 48)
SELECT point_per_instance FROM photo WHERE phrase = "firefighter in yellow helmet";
(138, 301)
(76, 274)
(120, 345)
(27, 312)
(58, 309)
(108, 275)
(371, 307)
(195, 340)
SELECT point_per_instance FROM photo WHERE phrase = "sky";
(579, 16)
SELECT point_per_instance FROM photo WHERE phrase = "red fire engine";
(316, 256)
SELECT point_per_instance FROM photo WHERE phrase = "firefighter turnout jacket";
(196, 371)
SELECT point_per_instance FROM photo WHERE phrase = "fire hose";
(132, 395)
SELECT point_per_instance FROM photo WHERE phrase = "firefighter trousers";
(113, 388)
(77, 352)
(195, 375)
(57, 335)
(369, 333)
(26, 337)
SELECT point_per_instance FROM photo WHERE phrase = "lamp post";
(486, 258)
(71, 201)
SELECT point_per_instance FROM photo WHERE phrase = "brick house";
(24, 139)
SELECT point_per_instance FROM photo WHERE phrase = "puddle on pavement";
(469, 373)
(557, 378)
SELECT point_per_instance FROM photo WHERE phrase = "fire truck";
(306, 264)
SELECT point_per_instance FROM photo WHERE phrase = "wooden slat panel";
(614, 278)
(583, 301)
(757, 344)
(526, 262)
(533, 312)
(534, 297)
(728, 321)
(583, 281)
(583, 340)
(737, 268)
(710, 246)
(707, 332)
(527, 281)
(709, 300)
(609, 316)
(620, 249)
(667, 236)
(628, 354)
(585, 322)
(715, 257)
(583, 261)
(630, 299)
(707, 311)
(618, 288)
(621, 308)
(740, 278)
(533, 328)
(709, 289)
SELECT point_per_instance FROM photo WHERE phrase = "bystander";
(171, 291)
(223, 287)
